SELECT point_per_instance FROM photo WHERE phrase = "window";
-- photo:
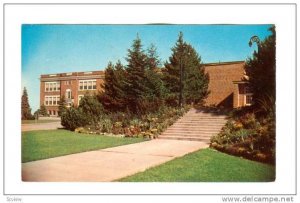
(52, 100)
(52, 86)
(87, 85)
(68, 94)
(248, 96)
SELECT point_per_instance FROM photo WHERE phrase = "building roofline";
(223, 63)
(70, 74)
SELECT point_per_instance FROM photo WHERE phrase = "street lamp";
(181, 97)
(256, 40)
(181, 76)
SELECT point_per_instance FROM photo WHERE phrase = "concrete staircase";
(196, 125)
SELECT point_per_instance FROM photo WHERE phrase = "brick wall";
(221, 85)
(70, 81)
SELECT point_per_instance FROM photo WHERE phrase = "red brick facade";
(225, 86)
(72, 85)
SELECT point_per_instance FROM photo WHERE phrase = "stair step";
(200, 123)
(190, 134)
(195, 125)
(202, 120)
(184, 138)
(195, 128)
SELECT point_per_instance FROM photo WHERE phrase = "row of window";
(52, 100)
(83, 85)
(52, 86)
(87, 85)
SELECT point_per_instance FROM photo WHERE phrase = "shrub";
(106, 125)
(74, 118)
(91, 107)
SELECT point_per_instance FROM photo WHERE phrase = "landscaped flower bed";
(248, 136)
(128, 125)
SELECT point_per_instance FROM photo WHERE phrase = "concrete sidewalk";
(108, 164)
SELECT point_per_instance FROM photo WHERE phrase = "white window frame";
(68, 91)
(53, 85)
(247, 93)
(87, 85)
(53, 98)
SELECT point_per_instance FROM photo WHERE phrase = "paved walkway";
(114, 163)
(41, 126)
(108, 164)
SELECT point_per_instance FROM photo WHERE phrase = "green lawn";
(45, 144)
(206, 166)
(38, 121)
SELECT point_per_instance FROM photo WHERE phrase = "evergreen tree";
(62, 106)
(135, 83)
(185, 64)
(195, 79)
(153, 60)
(262, 73)
(25, 107)
(91, 108)
(43, 110)
(155, 86)
(113, 95)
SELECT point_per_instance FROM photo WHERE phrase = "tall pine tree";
(185, 64)
(155, 86)
(135, 82)
(113, 97)
(25, 107)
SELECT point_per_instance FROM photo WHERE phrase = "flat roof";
(70, 74)
(223, 63)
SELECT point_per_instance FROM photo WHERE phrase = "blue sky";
(67, 48)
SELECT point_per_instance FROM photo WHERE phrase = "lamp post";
(256, 40)
(181, 67)
(181, 76)
(180, 82)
